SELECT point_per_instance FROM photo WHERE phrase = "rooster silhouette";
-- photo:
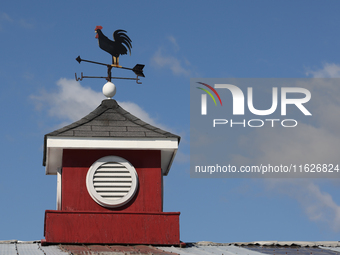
(119, 46)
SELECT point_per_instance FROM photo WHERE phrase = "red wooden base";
(160, 228)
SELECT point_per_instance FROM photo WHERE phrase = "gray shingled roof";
(109, 120)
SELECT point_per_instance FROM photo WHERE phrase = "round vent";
(112, 181)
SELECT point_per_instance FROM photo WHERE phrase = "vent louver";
(112, 181)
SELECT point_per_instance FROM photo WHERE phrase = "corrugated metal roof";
(332, 248)
(53, 250)
(14, 247)
(7, 249)
(283, 250)
(281, 243)
(214, 250)
(275, 247)
(113, 249)
(29, 248)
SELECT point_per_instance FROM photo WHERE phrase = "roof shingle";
(109, 120)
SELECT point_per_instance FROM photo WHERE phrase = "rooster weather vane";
(120, 45)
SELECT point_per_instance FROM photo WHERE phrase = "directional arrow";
(138, 69)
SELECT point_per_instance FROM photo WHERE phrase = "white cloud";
(25, 24)
(6, 17)
(314, 142)
(174, 42)
(165, 57)
(21, 22)
(159, 59)
(136, 110)
(303, 144)
(328, 71)
(72, 102)
(319, 206)
(182, 157)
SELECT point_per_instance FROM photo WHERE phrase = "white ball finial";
(109, 90)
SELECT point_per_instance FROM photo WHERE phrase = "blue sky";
(176, 40)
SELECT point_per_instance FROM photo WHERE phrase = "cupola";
(110, 167)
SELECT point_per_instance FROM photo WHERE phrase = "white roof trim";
(112, 143)
(55, 146)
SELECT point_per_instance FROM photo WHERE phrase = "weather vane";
(120, 45)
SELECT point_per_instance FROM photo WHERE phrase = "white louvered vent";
(112, 181)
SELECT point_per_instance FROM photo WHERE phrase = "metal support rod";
(105, 77)
(94, 62)
(109, 73)
(138, 70)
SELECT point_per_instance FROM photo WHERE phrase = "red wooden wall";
(82, 220)
(147, 163)
(112, 227)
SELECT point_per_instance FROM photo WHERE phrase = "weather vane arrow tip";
(79, 59)
(138, 70)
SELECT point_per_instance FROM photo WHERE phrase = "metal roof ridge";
(273, 243)
(18, 241)
(209, 243)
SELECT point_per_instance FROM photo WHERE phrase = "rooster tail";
(121, 37)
